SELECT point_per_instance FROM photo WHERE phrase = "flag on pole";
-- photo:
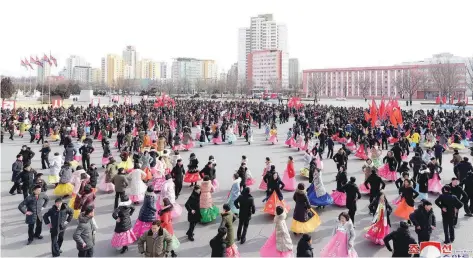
(38, 62)
(32, 61)
(23, 64)
(53, 59)
(46, 59)
(28, 64)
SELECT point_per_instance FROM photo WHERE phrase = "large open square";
(14, 229)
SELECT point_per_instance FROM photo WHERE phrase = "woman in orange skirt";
(406, 205)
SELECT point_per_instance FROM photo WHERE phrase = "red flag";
(23, 64)
(46, 59)
(382, 109)
(367, 117)
(32, 60)
(373, 112)
(38, 62)
(392, 118)
(459, 100)
(451, 99)
(28, 64)
(437, 100)
(444, 99)
(53, 60)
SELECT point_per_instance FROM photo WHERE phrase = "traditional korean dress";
(279, 244)
(316, 192)
(208, 210)
(338, 246)
(289, 178)
(380, 226)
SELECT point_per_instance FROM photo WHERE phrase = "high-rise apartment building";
(264, 33)
(71, 62)
(82, 74)
(151, 70)
(96, 76)
(293, 72)
(192, 69)
(112, 69)
(266, 70)
(130, 58)
(164, 70)
(43, 72)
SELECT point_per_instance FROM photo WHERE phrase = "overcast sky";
(321, 34)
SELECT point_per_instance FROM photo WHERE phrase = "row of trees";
(444, 77)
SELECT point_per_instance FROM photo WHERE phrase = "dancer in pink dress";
(279, 244)
(147, 213)
(434, 183)
(290, 139)
(339, 196)
(381, 223)
(342, 242)
(388, 170)
(267, 167)
(289, 178)
(124, 235)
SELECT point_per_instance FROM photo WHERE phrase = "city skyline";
(320, 35)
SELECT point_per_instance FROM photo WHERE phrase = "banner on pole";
(116, 98)
(127, 100)
(57, 103)
(9, 104)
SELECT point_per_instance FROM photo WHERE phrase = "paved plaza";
(14, 229)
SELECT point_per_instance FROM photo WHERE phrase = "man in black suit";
(375, 184)
(449, 204)
(246, 204)
(353, 195)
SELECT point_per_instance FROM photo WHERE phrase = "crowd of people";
(149, 173)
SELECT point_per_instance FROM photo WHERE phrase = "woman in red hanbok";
(381, 223)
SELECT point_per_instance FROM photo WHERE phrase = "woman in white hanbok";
(137, 186)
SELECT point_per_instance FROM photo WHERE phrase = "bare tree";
(295, 88)
(364, 86)
(469, 70)
(169, 87)
(409, 82)
(316, 84)
(445, 77)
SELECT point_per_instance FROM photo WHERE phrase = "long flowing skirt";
(189, 145)
(141, 227)
(421, 196)
(105, 161)
(290, 142)
(304, 172)
(351, 146)
(123, 239)
(342, 140)
(290, 184)
(338, 247)
(53, 179)
(363, 188)
(360, 153)
(158, 183)
(457, 146)
(339, 198)
(269, 248)
(403, 210)
(263, 186)
(63, 189)
(273, 139)
(273, 202)
(209, 214)
(137, 197)
(232, 138)
(250, 181)
(78, 158)
(396, 200)
(315, 200)
(176, 210)
(106, 187)
(217, 140)
(306, 227)
(377, 162)
(377, 231)
(191, 177)
(435, 186)
(232, 251)
(386, 173)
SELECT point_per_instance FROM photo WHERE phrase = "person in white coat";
(175, 157)
(307, 159)
(55, 165)
(137, 186)
(169, 192)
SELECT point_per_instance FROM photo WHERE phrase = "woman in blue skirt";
(316, 192)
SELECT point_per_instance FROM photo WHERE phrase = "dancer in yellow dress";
(305, 219)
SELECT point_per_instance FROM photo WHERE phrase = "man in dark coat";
(438, 151)
(94, 175)
(416, 163)
(85, 151)
(375, 184)
(304, 248)
(177, 174)
(32, 207)
(462, 169)
(84, 236)
(401, 240)
(193, 211)
(27, 179)
(330, 145)
(27, 155)
(458, 191)
(449, 204)
(423, 219)
(353, 195)
(246, 204)
(468, 183)
(57, 219)
(397, 151)
(17, 168)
